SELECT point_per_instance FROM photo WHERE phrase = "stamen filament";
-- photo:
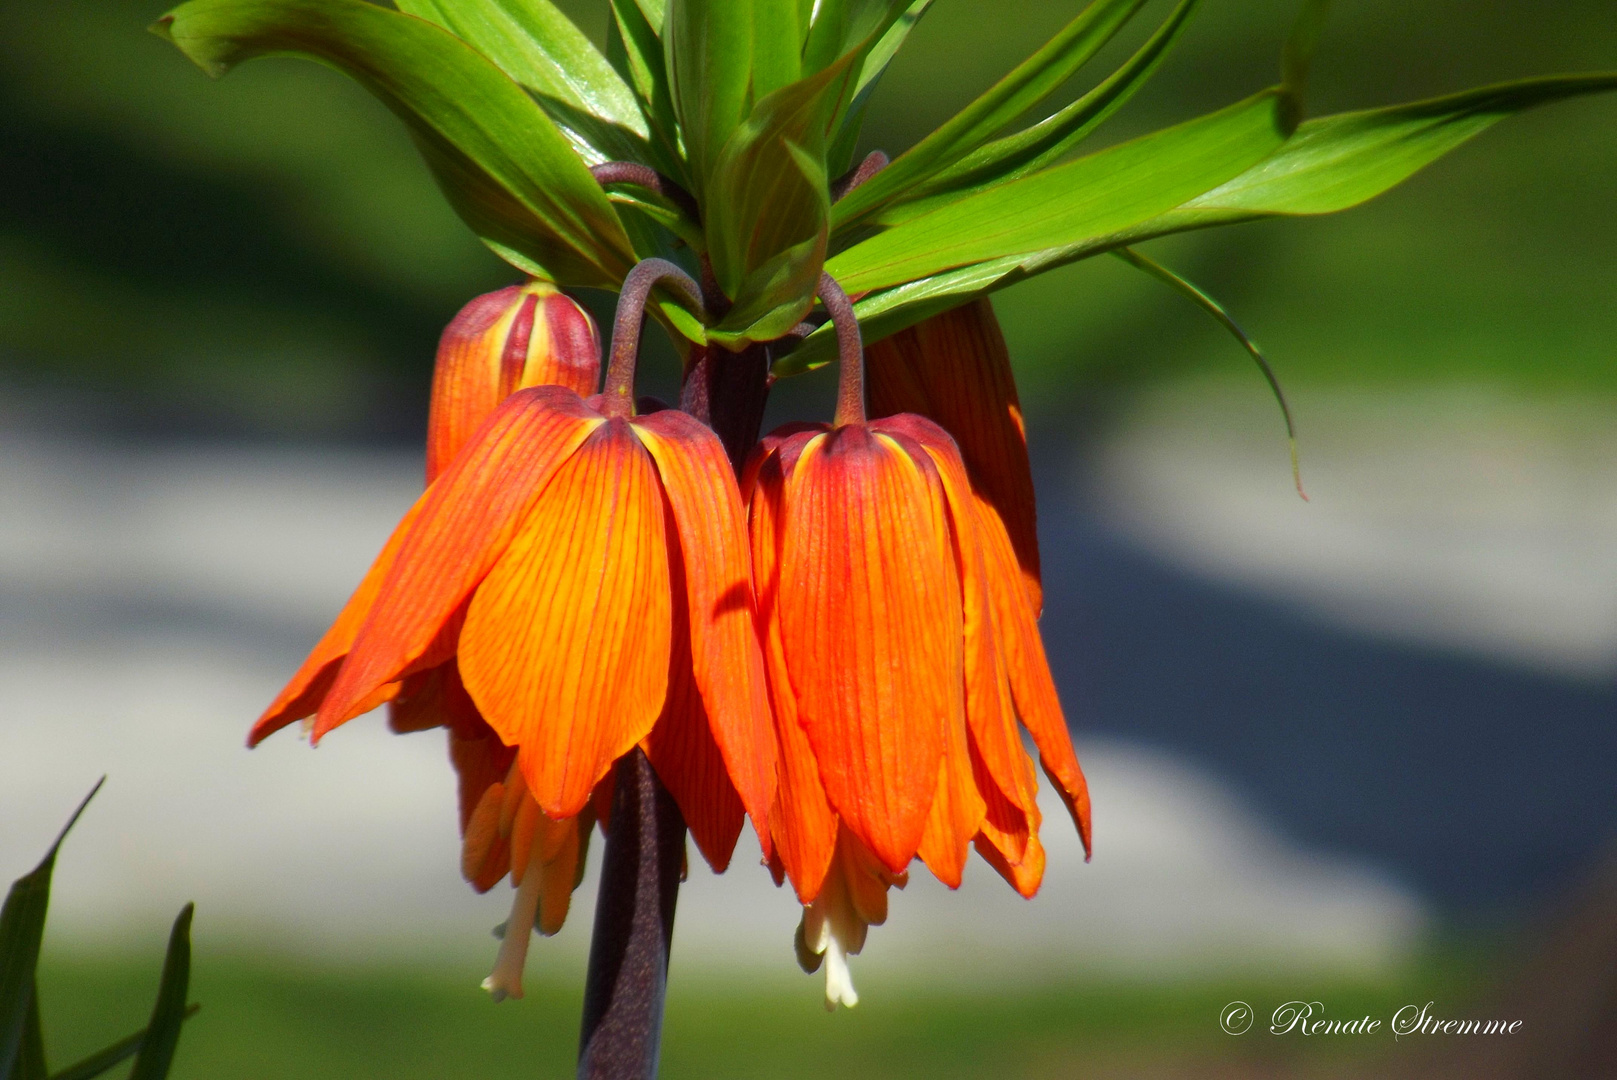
(506, 979)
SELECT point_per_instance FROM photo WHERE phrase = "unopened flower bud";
(502, 342)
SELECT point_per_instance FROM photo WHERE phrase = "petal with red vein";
(463, 525)
(871, 629)
(954, 368)
(566, 644)
(725, 655)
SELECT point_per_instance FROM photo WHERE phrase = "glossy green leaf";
(768, 194)
(539, 47)
(840, 25)
(778, 30)
(871, 68)
(636, 51)
(1051, 139)
(1028, 84)
(1202, 299)
(156, 1053)
(1074, 203)
(484, 132)
(1339, 161)
(707, 48)
(103, 1060)
(22, 927)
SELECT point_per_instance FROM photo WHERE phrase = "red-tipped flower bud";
(502, 342)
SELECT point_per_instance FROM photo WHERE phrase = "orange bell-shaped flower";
(901, 650)
(577, 580)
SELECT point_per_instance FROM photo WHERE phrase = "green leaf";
(1297, 57)
(768, 196)
(707, 48)
(539, 47)
(1075, 203)
(31, 1054)
(778, 30)
(1198, 296)
(634, 48)
(22, 927)
(1054, 137)
(839, 25)
(116, 1054)
(850, 118)
(156, 1053)
(484, 132)
(1031, 81)
(1340, 161)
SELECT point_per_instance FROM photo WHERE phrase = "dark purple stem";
(630, 172)
(634, 928)
(617, 396)
(874, 162)
(850, 351)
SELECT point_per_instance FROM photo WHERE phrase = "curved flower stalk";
(573, 585)
(902, 650)
(578, 580)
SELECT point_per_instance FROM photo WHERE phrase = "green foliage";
(752, 102)
(22, 1039)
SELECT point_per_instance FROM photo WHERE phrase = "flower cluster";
(840, 645)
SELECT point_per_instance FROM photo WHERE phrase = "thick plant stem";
(850, 350)
(634, 927)
(617, 395)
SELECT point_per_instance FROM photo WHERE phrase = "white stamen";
(834, 930)
(506, 979)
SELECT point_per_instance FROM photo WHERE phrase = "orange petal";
(681, 745)
(725, 656)
(501, 342)
(480, 761)
(1031, 684)
(433, 698)
(954, 368)
(302, 696)
(462, 525)
(957, 811)
(871, 629)
(566, 644)
(1024, 876)
(802, 823)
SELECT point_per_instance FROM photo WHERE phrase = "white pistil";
(833, 929)
(506, 979)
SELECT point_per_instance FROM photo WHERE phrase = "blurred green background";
(266, 254)
(265, 257)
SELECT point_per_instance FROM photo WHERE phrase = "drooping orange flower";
(901, 649)
(954, 369)
(573, 583)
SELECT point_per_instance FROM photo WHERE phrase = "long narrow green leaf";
(1297, 57)
(1028, 84)
(1202, 299)
(483, 128)
(539, 47)
(116, 1054)
(31, 1054)
(1091, 197)
(1339, 161)
(707, 47)
(871, 68)
(156, 1054)
(22, 928)
(1052, 138)
(839, 25)
(778, 30)
(634, 48)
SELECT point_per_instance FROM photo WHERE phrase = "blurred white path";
(151, 601)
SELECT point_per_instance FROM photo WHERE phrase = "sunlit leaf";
(539, 47)
(871, 69)
(1094, 196)
(22, 927)
(707, 47)
(1052, 138)
(1028, 84)
(1202, 299)
(635, 50)
(484, 131)
(156, 1052)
